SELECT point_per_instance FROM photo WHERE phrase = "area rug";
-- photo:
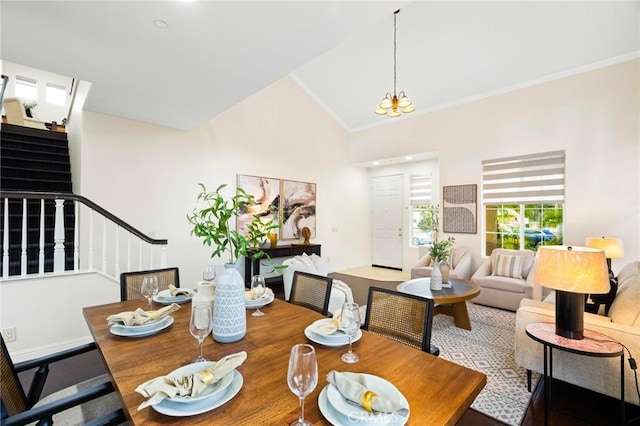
(488, 348)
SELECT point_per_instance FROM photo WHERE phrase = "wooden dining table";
(438, 391)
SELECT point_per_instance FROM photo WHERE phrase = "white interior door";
(387, 221)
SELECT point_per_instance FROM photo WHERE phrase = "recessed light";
(159, 23)
(408, 157)
(375, 163)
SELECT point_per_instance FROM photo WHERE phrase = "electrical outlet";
(9, 334)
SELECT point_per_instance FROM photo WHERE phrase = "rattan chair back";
(13, 397)
(311, 291)
(405, 318)
(131, 282)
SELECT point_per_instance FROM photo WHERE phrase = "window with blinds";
(523, 200)
(420, 194)
(26, 88)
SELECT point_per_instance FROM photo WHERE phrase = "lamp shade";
(572, 269)
(612, 247)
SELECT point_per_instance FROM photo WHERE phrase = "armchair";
(14, 110)
(460, 265)
(505, 278)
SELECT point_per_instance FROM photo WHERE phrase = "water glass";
(200, 325)
(350, 324)
(149, 287)
(258, 289)
(302, 376)
(209, 273)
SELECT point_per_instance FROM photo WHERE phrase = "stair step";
(25, 154)
(35, 146)
(30, 163)
(9, 184)
(29, 133)
(33, 173)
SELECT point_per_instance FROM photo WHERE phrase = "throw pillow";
(508, 266)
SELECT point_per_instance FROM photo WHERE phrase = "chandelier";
(399, 103)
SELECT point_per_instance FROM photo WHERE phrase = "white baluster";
(5, 240)
(104, 245)
(76, 238)
(150, 256)
(128, 251)
(23, 253)
(41, 243)
(91, 239)
(140, 255)
(163, 256)
(117, 270)
(58, 238)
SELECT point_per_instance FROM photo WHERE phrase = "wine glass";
(149, 287)
(200, 325)
(350, 323)
(258, 289)
(209, 273)
(302, 376)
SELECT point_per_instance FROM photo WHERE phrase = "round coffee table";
(449, 301)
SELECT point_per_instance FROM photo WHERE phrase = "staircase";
(35, 160)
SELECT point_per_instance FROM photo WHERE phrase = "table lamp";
(572, 272)
(612, 248)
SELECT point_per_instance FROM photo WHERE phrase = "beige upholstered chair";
(14, 110)
(460, 265)
(506, 278)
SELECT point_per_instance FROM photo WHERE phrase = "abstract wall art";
(298, 206)
(266, 201)
(459, 209)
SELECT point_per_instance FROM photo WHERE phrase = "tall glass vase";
(229, 310)
(436, 277)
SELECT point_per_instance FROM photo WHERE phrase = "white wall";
(148, 174)
(593, 116)
(44, 111)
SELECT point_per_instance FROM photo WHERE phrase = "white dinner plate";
(165, 298)
(376, 384)
(337, 335)
(211, 391)
(333, 342)
(253, 304)
(141, 331)
(337, 419)
(181, 410)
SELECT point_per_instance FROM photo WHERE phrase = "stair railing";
(87, 243)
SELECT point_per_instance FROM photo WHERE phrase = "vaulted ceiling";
(214, 54)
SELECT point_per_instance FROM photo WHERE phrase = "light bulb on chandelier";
(396, 104)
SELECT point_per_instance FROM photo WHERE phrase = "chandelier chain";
(394, 52)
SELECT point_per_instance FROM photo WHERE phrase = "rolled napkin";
(140, 316)
(250, 295)
(175, 291)
(354, 387)
(190, 385)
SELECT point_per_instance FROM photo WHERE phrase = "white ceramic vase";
(229, 309)
(436, 277)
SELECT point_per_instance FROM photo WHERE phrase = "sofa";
(622, 324)
(460, 262)
(505, 278)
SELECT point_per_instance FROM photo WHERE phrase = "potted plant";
(214, 223)
(439, 252)
(29, 107)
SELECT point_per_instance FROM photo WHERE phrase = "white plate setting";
(176, 409)
(332, 341)
(338, 411)
(141, 330)
(253, 304)
(165, 298)
(213, 391)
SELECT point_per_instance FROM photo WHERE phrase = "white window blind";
(56, 94)
(420, 190)
(527, 179)
(26, 88)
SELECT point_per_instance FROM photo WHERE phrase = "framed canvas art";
(298, 208)
(459, 209)
(266, 201)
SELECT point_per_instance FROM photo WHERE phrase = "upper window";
(420, 196)
(56, 94)
(523, 201)
(26, 88)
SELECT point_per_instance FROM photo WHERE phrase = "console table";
(290, 250)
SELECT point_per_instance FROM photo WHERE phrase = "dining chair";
(403, 317)
(91, 402)
(311, 291)
(131, 282)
